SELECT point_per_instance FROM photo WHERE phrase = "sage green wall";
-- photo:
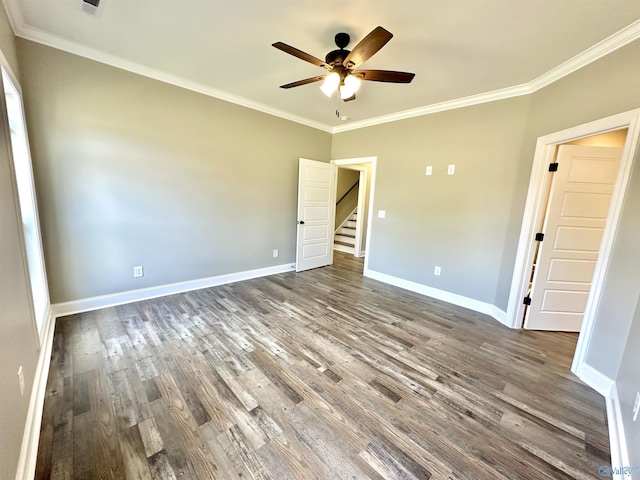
(132, 171)
(17, 339)
(456, 222)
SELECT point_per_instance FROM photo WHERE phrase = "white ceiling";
(484, 49)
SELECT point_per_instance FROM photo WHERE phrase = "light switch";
(429, 170)
(382, 213)
(451, 170)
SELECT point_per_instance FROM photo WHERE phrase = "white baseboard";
(617, 439)
(104, 301)
(453, 298)
(596, 380)
(31, 437)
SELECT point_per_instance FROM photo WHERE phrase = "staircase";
(345, 236)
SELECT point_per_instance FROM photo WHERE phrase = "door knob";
(301, 222)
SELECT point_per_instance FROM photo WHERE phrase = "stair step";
(351, 223)
(344, 244)
(345, 239)
(349, 231)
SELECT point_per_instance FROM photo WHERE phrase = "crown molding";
(610, 44)
(438, 107)
(619, 39)
(44, 38)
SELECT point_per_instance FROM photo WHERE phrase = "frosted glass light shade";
(330, 84)
(350, 87)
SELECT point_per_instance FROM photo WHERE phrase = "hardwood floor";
(316, 375)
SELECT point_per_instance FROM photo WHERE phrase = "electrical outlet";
(451, 170)
(21, 380)
(437, 270)
(636, 407)
(382, 213)
(429, 170)
(137, 271)
(275, 252)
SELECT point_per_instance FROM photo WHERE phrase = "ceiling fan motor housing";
(336, 57)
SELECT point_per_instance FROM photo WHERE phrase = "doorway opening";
(352, 192)
(582, 177)
(546, 149)
(355, 183)
(317, 182)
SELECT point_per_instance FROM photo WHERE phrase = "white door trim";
(362, 191)
(355, 161)
(534, 209)
(359, 251)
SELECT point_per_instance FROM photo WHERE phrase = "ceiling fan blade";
(303, 82)
(384, 76)
(301, 55)
(367, 47)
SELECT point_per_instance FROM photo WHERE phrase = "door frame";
(362, 180)
(349, 162)
(535, 209)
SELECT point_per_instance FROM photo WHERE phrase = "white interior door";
(316, 213)
(577, 212)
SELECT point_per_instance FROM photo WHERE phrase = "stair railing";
(348, 192)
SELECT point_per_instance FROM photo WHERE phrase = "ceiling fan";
(342, 65)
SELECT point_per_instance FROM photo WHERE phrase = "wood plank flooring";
(315, 375)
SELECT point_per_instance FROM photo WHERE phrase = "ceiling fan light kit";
(342, 65)
(349, 87)
(330, 84)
